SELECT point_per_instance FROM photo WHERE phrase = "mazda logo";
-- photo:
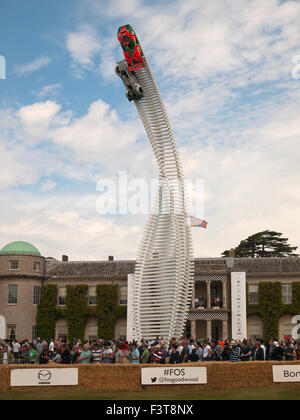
(44, 375)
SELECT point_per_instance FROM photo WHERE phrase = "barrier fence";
(217, 375)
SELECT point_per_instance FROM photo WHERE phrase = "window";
(36, 295)
(34, 332)
(14, 265)
(123, 331)
(123, 295)
(93, 333)
(253, 294)
(92, 295)
(287, 294)
(287, 330)
(62, 294)
(12, 294)
(36, 267)
(255, 331)
(63, 332)
(11, 332)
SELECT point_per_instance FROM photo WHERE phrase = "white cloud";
(48, 186)
(33, 66)
(83, 46)
(50, 90)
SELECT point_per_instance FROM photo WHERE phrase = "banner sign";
(239, 306)
(174, 376)
(44, 377)
(2, 328)
(286, 373)
(131, 325)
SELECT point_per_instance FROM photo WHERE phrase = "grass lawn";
(278, 392)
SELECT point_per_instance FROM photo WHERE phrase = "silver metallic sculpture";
(164, 266)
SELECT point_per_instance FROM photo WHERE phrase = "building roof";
(89, 268)
(20, 248)
(268, 265)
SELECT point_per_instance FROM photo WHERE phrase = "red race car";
(131, 47)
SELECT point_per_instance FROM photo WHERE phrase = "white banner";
(2, 327)
(239, 306)
(131, 326)
(174, 375)
(44, 377)
(286, 373)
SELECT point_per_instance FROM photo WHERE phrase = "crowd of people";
(154, 352)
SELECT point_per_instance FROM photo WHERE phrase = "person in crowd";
(174, 357)
(66, 355)
(145, 355)
(245, 352)
(259, 354)
(96, 354)
(276, 352)
(134, 355)
(157, 355)
(45, 355)
(119, 355)
(33, 354)
(108, 354)
(85, 355)
(235, 352)
(16, 350)
(194, 357)
(185, 354)
(298, 350)
(290, 352)
(164, 352)
(58, 355)
(207, 352)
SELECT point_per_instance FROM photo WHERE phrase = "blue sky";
(225, 72)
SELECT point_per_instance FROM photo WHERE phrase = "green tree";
(264, 244)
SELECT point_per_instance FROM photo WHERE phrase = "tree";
(264, 244)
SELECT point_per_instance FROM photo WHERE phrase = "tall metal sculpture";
(164, 266)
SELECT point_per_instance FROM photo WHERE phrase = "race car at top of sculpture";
(131, 47)
(134, 90)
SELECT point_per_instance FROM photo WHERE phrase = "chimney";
(65, 258)
(110, 258)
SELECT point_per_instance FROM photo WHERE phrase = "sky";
(229, 75)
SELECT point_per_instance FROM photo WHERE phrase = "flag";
(198, 222)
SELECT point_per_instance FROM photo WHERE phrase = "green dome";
(20, 248)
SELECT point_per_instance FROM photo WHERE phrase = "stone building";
(24, 272)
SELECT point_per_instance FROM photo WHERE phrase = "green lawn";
(288, 392)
